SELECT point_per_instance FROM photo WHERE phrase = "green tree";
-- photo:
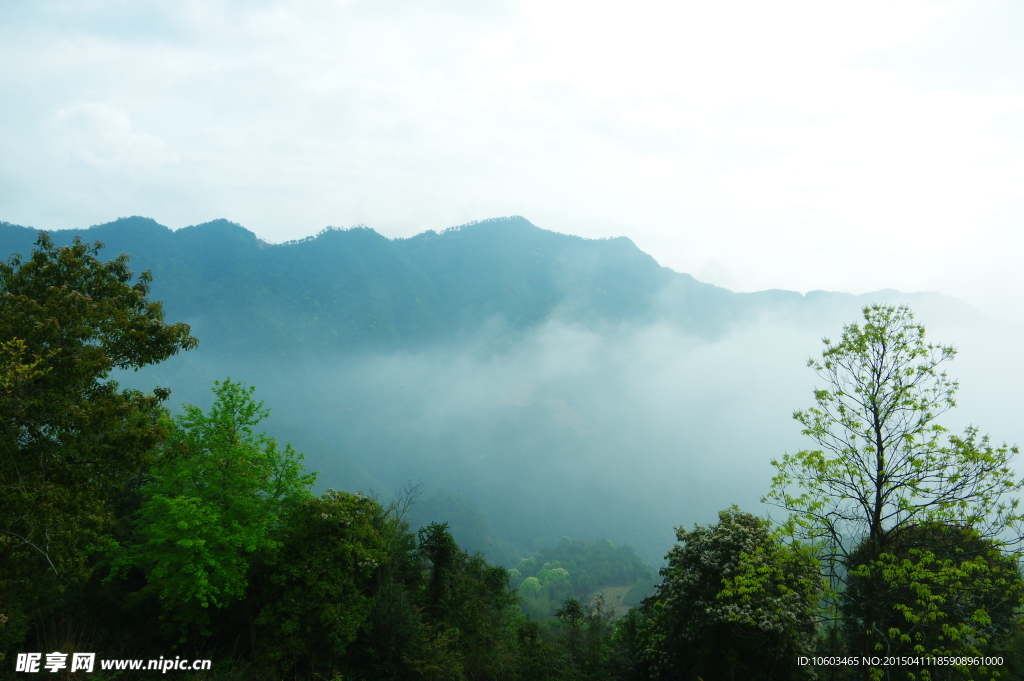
(472, 598)
(632, 641)
(942, 584)
(316, 594)
(213, 500)
(734, 604)
(576, 568)
(17, 368)
(886, 465)
(587, 638)
(69, 437)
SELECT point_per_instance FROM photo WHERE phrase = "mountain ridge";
(573, 386)
(357, 289)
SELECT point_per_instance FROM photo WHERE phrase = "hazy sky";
(787, 144)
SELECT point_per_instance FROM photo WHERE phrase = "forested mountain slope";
(355, 289)
(567, 386)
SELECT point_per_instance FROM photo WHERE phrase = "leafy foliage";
(886, 466)
(946, 592)
(69, 438)
(575, 568)
(734, 603)
(213, 499)
(587, 638)
(465, 593)
(316, 592)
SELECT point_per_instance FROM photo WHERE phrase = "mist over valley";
(537, 385)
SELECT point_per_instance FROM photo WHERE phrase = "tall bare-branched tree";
(884, 470)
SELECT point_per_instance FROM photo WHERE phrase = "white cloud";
(104, 137)
(792, 144)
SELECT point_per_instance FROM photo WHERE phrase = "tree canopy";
(942, 584)
(69, 437)
(213, 498)
(734, 603)
(886, 468)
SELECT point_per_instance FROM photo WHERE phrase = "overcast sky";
(786, 144)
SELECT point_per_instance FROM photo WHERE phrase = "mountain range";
(349, 289)
(554, 385)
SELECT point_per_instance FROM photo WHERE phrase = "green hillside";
(354, 288)
(351, 289)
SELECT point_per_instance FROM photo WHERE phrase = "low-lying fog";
(619, 434)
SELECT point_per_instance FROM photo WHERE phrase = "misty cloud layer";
(616, 433)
